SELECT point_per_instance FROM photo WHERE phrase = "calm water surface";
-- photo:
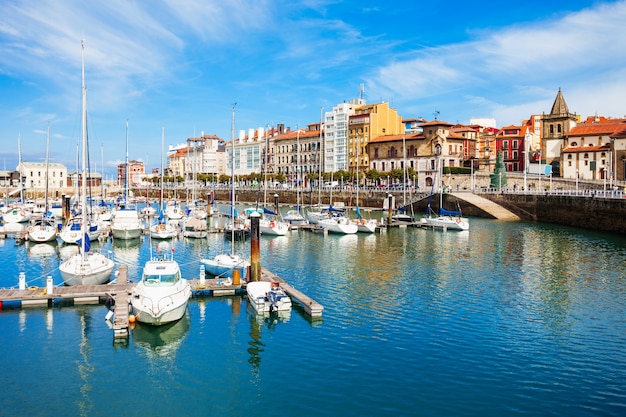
(506, 319)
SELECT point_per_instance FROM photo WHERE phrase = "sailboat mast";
(404, 171)
(265, 172)
(19, 163)
(298, 179)
(232, 179)
(358, 182)
(83, 180)
(319, 163)
(102, 179)
(47, 159)
(162, 149)
(126, 169)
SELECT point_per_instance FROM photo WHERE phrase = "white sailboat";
(162, 295)
(125, 223)
(271, 223)
(223, 264)
(19, 213)
(162, 229)
(363, 225)
(85, 267)
(446, 219)
(43, 228)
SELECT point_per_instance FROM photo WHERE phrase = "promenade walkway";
(488, 206)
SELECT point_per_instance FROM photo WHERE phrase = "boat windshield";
(165, 279)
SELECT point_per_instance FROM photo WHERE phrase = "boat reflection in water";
(161, 342)
(127, 251)
(41, 250)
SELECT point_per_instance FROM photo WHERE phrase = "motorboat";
(126, 224)
(223, 265)
(268, 297)
(162, 295)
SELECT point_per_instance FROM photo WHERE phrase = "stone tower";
(556, 126)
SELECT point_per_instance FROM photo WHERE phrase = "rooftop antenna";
(361, 91)
(436, 113)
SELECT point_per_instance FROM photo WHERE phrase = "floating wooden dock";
(62, 296)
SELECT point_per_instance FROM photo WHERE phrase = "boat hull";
(224, 264)
(340, 226)
(161, 296)
(145, 314)
(266, 299)
(446, 222)
(273, 228)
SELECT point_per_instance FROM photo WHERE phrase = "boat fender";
(458, 220)
(22, 213)
(272, 224)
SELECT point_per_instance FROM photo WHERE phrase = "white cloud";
(512, 64)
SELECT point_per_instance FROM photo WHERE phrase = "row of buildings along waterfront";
(356, 136)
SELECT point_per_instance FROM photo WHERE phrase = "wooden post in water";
(66, 206)
(390, 204)
(255, 248)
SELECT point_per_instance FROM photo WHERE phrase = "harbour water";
(510, 318)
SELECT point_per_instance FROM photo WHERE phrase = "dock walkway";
(14, 298)
(494, 209)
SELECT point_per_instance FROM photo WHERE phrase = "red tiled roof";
(437, 123)
(394, 138)
(604, 128)
(594, 148)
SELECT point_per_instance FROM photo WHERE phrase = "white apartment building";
(336, 135)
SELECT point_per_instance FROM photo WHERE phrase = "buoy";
(131, 318)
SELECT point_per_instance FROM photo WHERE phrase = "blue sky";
(180, 65)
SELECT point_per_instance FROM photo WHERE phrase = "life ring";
(272, 224)
(30, 229)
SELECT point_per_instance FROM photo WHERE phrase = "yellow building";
(368, 122)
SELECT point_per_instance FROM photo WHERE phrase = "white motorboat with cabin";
(162, 295)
